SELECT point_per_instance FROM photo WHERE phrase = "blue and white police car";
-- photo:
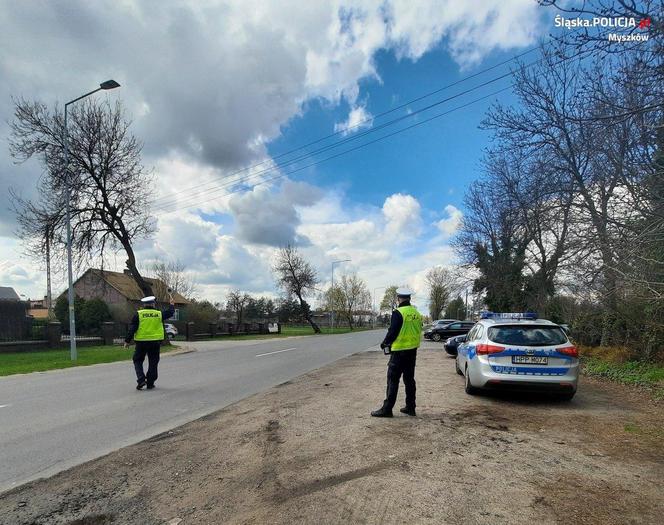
(518, 351)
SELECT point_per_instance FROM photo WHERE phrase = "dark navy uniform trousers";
(402, 362)
(151, 349)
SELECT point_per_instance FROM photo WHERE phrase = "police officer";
(403, 337)
(147, 329)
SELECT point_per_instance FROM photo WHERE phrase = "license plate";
(530, 360)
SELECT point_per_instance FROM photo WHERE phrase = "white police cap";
(149, 299)
(403, 291)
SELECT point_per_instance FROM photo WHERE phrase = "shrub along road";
(307, 451)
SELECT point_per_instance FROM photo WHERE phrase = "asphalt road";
(51, 421)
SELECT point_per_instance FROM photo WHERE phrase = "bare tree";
(349, 297)
(296, 277)
(441, 284)
(237, 303)
(109, 186)
(172, 274)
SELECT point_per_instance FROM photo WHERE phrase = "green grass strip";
(24, 362)
(630, 373)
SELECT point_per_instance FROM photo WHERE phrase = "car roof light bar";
(508, 315)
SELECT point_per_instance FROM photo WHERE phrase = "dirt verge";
(307, 452)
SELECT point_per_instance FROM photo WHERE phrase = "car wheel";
(470, 389)
(436, 337)
(456, 366)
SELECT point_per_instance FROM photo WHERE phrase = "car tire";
(436, 337)
(456, 367)
(470, 389)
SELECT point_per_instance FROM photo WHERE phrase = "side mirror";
(462, 339)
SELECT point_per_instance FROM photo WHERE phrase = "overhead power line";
(226, 183)
(366, 121)
(345, 152)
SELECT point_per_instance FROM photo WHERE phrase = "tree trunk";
(131, 265)
(307, 315)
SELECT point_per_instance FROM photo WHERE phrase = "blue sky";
(219, 87)
(436, 160)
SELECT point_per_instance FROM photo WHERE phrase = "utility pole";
(48, 272)
(465, 317)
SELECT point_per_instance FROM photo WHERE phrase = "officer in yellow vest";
(147, 329)
(403, 338)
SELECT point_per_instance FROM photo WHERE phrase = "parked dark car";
(453, 343)
(441, 333)
(439, 323)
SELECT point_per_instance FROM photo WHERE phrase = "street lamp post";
(109, 84)
(332, 297)
(374, 303)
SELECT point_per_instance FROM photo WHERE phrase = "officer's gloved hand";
(383, 346)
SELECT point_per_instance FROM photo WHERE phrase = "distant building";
(122, 295)
(8, 294)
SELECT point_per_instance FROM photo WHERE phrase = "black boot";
(408, 411)
(140, 385)
(382, 412)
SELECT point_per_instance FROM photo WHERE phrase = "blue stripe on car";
(529, 371)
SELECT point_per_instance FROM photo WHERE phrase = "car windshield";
(527, 335)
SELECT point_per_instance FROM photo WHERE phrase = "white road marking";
(3, 406)
(277, 352)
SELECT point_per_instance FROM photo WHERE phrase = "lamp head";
(109, 84)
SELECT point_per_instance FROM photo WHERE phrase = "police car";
(518, 351)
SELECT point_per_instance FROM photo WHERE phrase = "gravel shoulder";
(308, 452)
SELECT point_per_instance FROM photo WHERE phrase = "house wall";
(91, 287)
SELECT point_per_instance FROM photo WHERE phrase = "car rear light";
(483, 349)
(568, 350)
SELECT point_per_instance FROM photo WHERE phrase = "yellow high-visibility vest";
(411, 329)
(150, 326)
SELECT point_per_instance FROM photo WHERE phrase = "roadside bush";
(608, 354)
(89, 314)
(92, 314)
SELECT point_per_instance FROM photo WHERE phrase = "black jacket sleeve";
(395, 327)
(132, 329)
(167, 314)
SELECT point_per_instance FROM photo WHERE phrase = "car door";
(454, 329)
(462, 350)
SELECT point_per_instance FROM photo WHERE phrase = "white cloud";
(210, 84)
(403, 216)
(358, 118)
(451, 223)
(267, 215)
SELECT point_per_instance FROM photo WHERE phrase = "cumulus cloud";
(358, 118)
(210, 84)
(403, 216)
(449, 225)
(270, 216)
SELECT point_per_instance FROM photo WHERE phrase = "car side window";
(471, 334)
(455, 326)
(479, 331)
